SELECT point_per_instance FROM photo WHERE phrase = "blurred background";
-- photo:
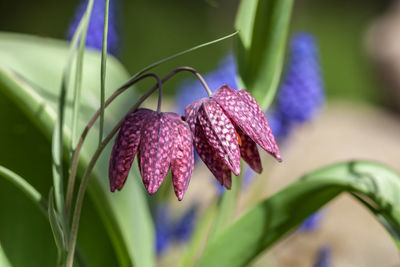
(359, 48)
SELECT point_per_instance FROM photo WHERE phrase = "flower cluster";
(301, 91)
(222, 128)
(94, 36)
(162, 140)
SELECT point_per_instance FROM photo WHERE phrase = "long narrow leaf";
(274, 217)
(103, 70)
(79, 74)
(3, 258)
(56, 228)
(263, 26)
(25, 187)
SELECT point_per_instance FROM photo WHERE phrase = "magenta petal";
(125, 148)
(182, 161)
(243, 109)
(211, 158)
(249, 152)
(220, 134)
(155, 151)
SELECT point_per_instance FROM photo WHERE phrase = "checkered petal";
(125, 148)
(155, 150)
(182, 159)
(249, 151)
(220, 134)
(208, 155)
(244, 111)
(211, 158)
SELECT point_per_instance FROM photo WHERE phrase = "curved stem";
(89, 169)
(198, 75)
(76, 152)
(159, 98)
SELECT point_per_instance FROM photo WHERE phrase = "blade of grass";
(56, 228)
(78, 74)
(58, 135)
(103, 70)
(155, 64)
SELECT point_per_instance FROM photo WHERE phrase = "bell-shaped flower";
(226, 126)
(161, 140)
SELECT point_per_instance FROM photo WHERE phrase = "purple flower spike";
(161, 140)
(226, 126)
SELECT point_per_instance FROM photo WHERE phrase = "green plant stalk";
(78, 74)
(155, 64)
(199, 236)
(226, 208)
(103, 70)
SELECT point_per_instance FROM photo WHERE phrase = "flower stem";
(198, 75)
(76, 152)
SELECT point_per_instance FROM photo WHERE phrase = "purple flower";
(162, 140)
(94, 37)
(227, 126)
(323, 257)
(301, 92)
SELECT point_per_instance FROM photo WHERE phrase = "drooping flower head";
(161, 140)
(94, 37)
(227, 126)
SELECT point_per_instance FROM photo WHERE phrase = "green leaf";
(268, 221)
(103, 70)
(25, 187)
(260, 48)
(58, 234)
(34, 88)
(3, 258)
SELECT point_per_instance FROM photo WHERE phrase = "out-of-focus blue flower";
(162, 228)
(169, 229)
(279, 126)
(312, 222)
(323, 257)
(301, 92)
(94, 37)
(184, 226)
(191, 89)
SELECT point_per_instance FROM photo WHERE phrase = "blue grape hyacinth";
(169, 229)
(301, 92)
(323, 257)
(94, 37)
